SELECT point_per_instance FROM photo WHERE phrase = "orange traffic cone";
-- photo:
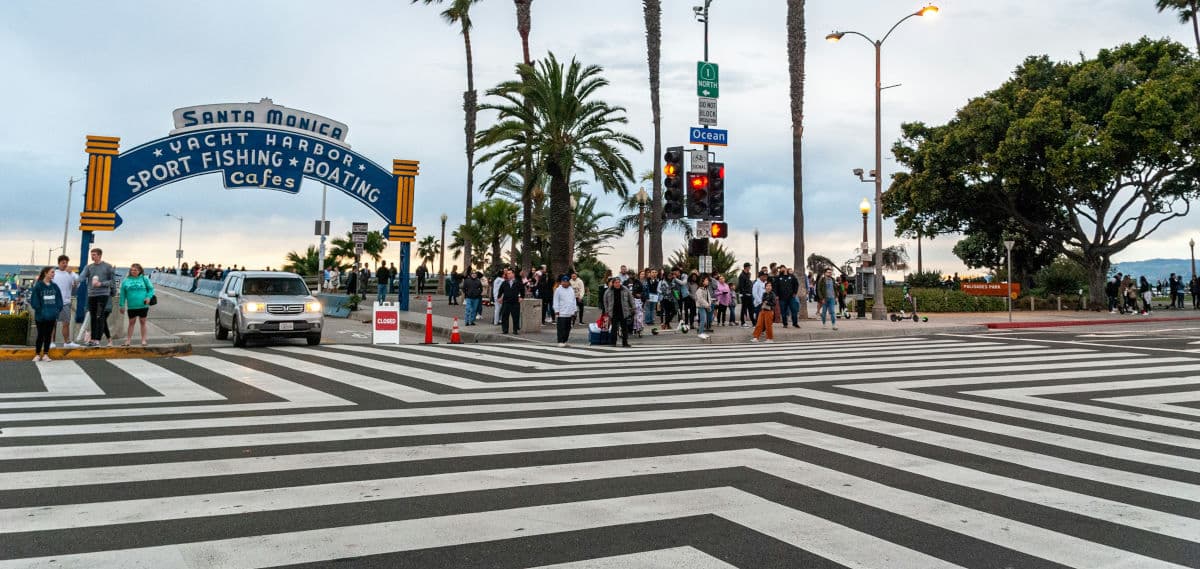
(429, 320)
(454, 337)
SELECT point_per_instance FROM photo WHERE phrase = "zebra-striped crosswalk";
(908, 452)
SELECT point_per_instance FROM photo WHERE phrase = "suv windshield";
(275, 285)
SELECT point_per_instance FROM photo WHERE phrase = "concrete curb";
(1058, 323)
(25, 353)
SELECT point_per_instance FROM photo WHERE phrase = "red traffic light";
(698, 181)
(719, 230)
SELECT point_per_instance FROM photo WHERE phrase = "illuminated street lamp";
(879, 312)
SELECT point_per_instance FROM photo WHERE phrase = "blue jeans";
(383, 289)
(829, 305)
(650, 307)
(705, 315)
(470, 309)
(788, 306)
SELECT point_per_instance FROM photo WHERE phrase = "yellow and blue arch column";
(403, 231)
(96, 215)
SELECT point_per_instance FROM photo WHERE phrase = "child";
(639, 314)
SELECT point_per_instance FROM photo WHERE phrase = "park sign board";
(990, 289)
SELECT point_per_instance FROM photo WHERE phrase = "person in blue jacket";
(47, 303)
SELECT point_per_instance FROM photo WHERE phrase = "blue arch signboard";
(252, 146)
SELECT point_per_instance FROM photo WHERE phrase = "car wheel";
(222, 333)
(239, 339)
(313, 339)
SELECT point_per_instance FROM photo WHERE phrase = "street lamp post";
(879, 312)
(1008, 245)
(642, 198)
(178, 251)
(756, 265)
(1192, 246)
(442, 257)
(67, 222)
(864, 259)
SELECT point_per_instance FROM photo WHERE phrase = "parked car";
(267, 304)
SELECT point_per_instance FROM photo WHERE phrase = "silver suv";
(267, 303)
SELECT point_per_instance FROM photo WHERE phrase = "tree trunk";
(562, 219)
(524, 23)
(1097, 271)
(796, 51)
(470, 106)
(1196, 23)
(652, 10)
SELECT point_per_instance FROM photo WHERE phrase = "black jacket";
(472, 288)
(511, 292)
(745, 284)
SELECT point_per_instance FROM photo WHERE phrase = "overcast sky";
(394, 72)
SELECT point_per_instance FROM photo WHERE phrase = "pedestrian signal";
(719, 230)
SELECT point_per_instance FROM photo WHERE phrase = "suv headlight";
(312, 307)
(254, 307)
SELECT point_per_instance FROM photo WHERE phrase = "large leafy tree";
(797, 46)
(652, 12)
(491, 223)
(459, 12)
(552, 111)
(1189, 11)
(1081, 159)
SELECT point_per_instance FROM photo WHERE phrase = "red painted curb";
(1055, 324)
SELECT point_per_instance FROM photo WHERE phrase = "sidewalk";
(939, 323)
(161, 345)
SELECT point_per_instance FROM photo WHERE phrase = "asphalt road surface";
(1023, 449)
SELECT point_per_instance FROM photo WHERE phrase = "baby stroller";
(639, 316)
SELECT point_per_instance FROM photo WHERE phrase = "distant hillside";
(1154, 269)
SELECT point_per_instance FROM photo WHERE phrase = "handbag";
(153, 298)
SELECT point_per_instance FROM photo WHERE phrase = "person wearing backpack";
(137, 294)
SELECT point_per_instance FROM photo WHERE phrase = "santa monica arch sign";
(253, 146)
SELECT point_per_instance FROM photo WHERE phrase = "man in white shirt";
(760, 286)
(65, 280)
(565, 306)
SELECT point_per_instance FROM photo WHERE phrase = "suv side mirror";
(233, 294)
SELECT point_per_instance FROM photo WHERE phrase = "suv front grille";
(285, 308)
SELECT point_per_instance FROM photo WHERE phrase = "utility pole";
(67, 222)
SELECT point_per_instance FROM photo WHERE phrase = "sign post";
(708, 79)
(708, 111)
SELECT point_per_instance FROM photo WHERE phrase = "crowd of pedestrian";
(1127, 295)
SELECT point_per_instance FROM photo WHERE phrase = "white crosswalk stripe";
(911, 452)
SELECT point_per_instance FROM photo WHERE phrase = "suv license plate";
(287, 326)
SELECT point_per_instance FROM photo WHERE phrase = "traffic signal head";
(716, 190)
(697, 196)
(673, 183)
(718, 230)
(698, 247)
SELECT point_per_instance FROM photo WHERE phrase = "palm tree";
(796, 47)
(566, 129)
(427, 249)
(460, 12)
(590, 236)
(306, 263)
(723, 260)
(524, 23)
(652, 10)
(895, 258)
(491, 222)
(1189, 11)
(343, 247)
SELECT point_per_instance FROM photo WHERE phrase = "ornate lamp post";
(642, 198)
(756, 265)
(879, 312)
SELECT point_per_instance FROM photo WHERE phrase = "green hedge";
(940, 300)
(14, 329)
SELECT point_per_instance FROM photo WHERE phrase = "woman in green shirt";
(136, 292)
